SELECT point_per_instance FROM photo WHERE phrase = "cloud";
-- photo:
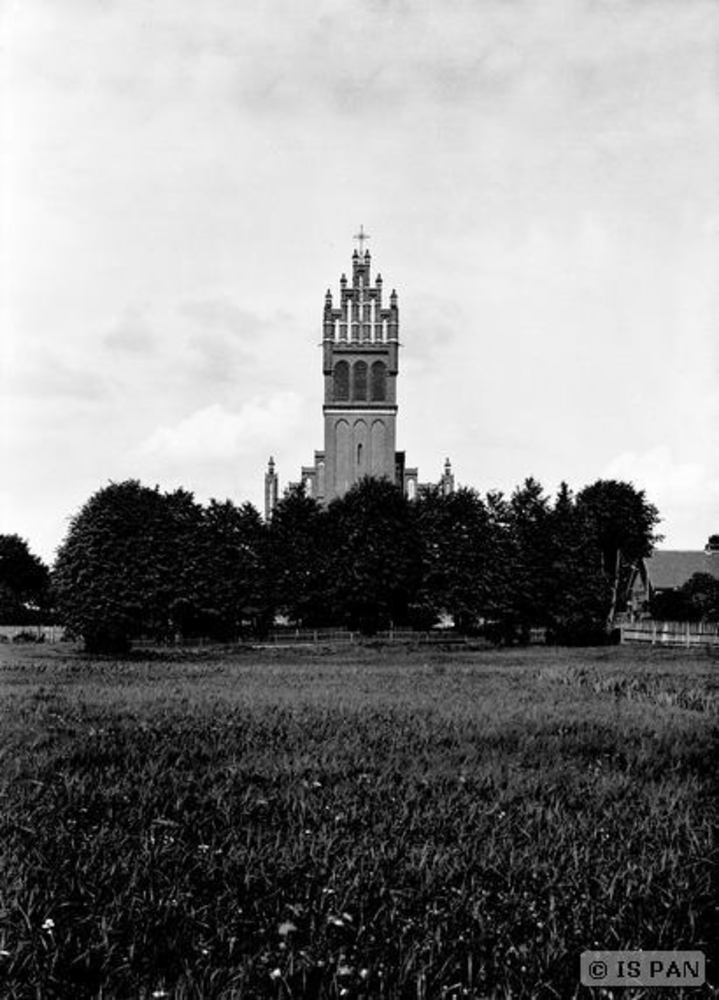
(48, 378)
(132, 333)
(218, 434)
(223, 314)
(226, 341)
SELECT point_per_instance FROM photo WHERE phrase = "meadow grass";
(365, 823)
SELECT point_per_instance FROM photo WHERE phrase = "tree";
(702, 592)
(24, 582)
(230, 575)
(373, 556)
(124, 567)
(623, 522)
(697, 600)
(578, 591)
(529, 524)
(453, 534)
(298, 559)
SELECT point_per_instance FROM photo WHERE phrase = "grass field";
(370, 823)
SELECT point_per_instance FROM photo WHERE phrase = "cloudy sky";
(181, 182)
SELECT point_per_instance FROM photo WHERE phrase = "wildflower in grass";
(49, 924)
(345, 970)
(364, 973)
(160, 995)
(203, 848)
(286, 928)
(276, 974)
(4, 953)
(335, 921)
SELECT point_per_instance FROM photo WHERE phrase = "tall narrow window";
(359, 385)
(378, 382)
(342, 381)
(359, 456)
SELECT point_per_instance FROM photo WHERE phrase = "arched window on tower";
(342, 381)
(359, 381)
(378, 382)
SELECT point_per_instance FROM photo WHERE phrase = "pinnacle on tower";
(447, 480)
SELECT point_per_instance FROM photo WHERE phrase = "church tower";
(360, 362)
(360, 348)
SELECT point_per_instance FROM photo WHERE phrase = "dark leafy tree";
(623, 522)
(529, 522)
(502, 558)
(578, 591)
(373, 556)
(230, 599)
(453, 533)
(121, 571)
(697, 600)
(298, 567)
(702, 592)
(24, 582)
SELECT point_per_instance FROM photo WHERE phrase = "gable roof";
(671, 568)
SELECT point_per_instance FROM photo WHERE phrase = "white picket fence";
(660, 633)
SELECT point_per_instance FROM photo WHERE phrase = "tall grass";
(363, 825)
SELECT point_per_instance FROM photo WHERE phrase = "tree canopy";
(623, 522)
(373, 562)
(140, 562)
(24, 582)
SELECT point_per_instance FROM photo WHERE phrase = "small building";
(666, 571)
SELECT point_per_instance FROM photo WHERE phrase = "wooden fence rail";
(302, 636)
(671, 633)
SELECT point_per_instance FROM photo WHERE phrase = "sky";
(180, 183)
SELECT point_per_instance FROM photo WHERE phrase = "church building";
(360, 365)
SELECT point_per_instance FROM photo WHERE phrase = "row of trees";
(140, 562)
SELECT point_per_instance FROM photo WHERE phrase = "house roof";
(670, 568)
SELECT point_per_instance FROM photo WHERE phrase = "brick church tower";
(360, 349)
(360, 363)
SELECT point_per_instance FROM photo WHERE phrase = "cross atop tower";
(361, 236)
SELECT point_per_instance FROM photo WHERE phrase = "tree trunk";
(615, 592)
